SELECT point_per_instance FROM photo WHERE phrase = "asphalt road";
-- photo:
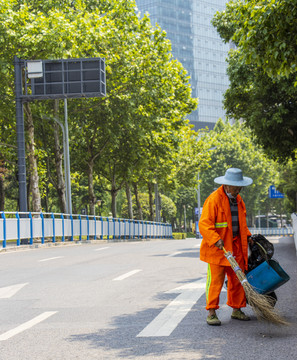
(130, 300)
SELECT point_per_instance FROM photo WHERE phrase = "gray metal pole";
(198, 202)
(67, 163)
(20, 135)
(185, 218)
(157, 205)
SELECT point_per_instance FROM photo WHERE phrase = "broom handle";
(225, 251)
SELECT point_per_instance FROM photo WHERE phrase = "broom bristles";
(262, 305)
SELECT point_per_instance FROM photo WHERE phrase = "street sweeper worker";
(223, 224)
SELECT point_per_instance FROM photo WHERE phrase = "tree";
(267, 107)
(235, 148)
(262, 70)
(148, 91)
(264, 32)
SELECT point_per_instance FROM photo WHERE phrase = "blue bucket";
(267, 277)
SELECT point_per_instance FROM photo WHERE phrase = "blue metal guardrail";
(42, 226)
(272, 231)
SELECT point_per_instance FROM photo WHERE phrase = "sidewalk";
(285, 254)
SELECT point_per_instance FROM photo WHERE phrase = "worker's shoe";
(213, 320)
(240, 315)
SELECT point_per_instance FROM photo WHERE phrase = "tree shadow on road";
(192, 339)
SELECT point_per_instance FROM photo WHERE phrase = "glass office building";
(197, 45)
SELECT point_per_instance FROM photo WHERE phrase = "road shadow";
(193, 339)
(189, 252)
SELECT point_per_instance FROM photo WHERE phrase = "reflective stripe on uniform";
(208, 281)
(221, 225)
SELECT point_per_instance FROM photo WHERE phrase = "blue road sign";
(196, 211)
(274, 194)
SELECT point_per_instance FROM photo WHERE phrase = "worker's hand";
(220, 244)
(250, 240)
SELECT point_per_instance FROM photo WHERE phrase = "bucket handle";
(264, 251)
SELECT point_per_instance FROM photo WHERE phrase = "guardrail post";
(113, 220)
(119, 221)
(80, 228)
(71, 219)
(42, 227)
(17, 215)
(88, 228)
(129, 228)
(63, 231)
(107, 228)
(124, 221)
(4, 229)
(142, 236)
(101, 219)
(54, 228)
(95, 229)
(31, 228)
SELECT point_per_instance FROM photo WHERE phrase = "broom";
(262, 305)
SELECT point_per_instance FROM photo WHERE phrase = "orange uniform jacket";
(216, 223)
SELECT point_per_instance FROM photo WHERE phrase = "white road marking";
(53, 258)
(197, 246)
(173, 314)
(27, 325)
(125, 276)
(8, 291)
(174, 254)
(104, 248)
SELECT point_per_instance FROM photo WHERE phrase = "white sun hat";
(234, 177)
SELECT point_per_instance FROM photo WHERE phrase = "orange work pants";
(215, 280)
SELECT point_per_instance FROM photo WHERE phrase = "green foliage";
(168, 208)
(134, 132)
(235, 148)
(264, 31)
(191, 235)
(179, 236)
(262, 70)
(268, 107)
(144, 200)
(288, 186)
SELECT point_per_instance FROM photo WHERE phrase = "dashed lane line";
(27, 325)
(125, 276)
(174, 254)
(100, 249)
(52, 258)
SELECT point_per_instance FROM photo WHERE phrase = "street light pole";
(198, 205)
(185, 218)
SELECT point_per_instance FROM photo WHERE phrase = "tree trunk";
(34, 178)
(129, 199)
(92, 197)
(29, 207)
(46, 198)
(139, 209)
(151, 201)
(113, 192)
(60, 187)
(2, 195)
